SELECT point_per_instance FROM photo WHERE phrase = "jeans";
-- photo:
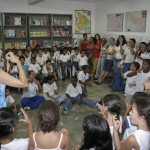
(32, 102)
(86, 101)
(63, 69)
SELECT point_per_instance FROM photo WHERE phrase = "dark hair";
(48, 78)
(84, 67)
(147, 61)
(148, 44)
(48, 115)
(94, 39)
(139, 95)
(32, 58)
(113, 102)
(29, 72)
(21, 57)
(136, 65)
(75, 48)
(74, 77)
(96, 133)
(143, 43)
(28, 46)
(143, 107)
(124, 40)
(7, 122)
(84, 34)
(112, 38)
(48, 61)
(98, 36)
(133, 39)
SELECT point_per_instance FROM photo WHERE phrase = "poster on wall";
(135, 21)
(115, 22)
(82, 21)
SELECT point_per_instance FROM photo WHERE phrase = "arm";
(39, 86)
(132, 51)
(11, 81)
(14, 106)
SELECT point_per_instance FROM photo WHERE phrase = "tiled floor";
(72, 121)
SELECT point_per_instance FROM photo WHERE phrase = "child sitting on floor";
(50, 90)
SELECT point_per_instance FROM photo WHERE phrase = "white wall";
(48, 6)
(118, 6)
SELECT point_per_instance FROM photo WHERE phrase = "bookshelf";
(1, 39)
(62, 30)
(40, 30)
(15, 33)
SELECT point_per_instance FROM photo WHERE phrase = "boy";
(24, 66)
(9, 100)
(82, 59)
(74, 95)
(131, 81)
(35, 67)
(50, 90)
(83, 76)
(27, 57)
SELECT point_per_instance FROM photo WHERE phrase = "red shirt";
(97, 50)
(84, 45)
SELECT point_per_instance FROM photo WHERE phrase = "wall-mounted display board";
(135, 21)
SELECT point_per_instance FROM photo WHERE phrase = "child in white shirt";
(50, 90)
(27, 57)
(82, 59)
(46, 54)
(131, 81)
(35, 67)
(74, 95)
(40, 59)
(74, 56)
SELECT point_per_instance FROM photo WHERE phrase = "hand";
(77, 147)
(147, 84)
(36, 81)
(101, 110)
(128, 108)
(116, 123)
(56, 101)
(26, 118)
(12, 57)
(65, 131)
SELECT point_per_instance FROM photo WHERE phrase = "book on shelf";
(42, 43)
(17, 45)
(13, 20)
(40, 34)
(61, 22)
(63, 31)
(15, 33)
(39, 22)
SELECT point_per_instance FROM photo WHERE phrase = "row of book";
(62, 32)
(62, 22)
(39, 34)
(15, 33)
(17, 45)
(42, 43)
(39, 22)
(11, 20)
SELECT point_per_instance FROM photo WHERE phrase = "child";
(108, 62)
(64, 62)
(74, 95)
(53, 59)
(40, 59)
(35, 67)
(48, 137)
(141, 53)
(24, 66)
(74, 56)
(83, 76)
(56, 53)
(82, 59)
(139, 116)
(27, 57)
(131, 81)
(48, 70)
(143, 75)
(12, 69)
(28, 47)
(50, 90)
(29, 99)
(46, 54)
(96, 134)
(109, 106)
(9, 100)
(7, 127)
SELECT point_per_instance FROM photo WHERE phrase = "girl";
(108, 62)
(40, 59)
(48, 137)
(74, 56)
(46, 54)
(102, 58)
(96, 54)
(96, 134)
(84, 42)
(29, 99)
(109, 106)
(139, 116)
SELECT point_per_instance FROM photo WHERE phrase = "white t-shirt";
(45, 72)
(16, 144)
(130, 80)
(118, 54)
(143, 55)
(53, 59)
(82, 60)
(34, 67)
(46, 56)
(27, 60)
(40, 60)
(83, 77)
(74, 57)
(64, 58)
(110, 49)
(129, 57)
(9, 100)
(74, 91)
(57, 55)
(30, 90)
(49, 88)
(141, 78)
(143, 139)
(147, 55)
